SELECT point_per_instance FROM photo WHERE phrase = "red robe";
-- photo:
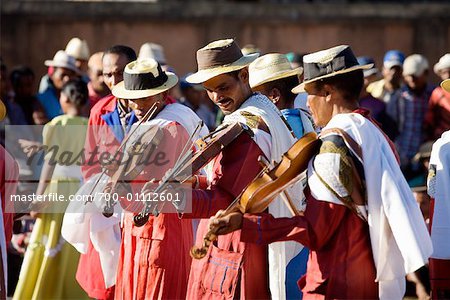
(439, 269)
(231, 269)
(340, 264)
(154, 259)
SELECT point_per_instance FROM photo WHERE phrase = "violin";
(192, 162)
(134, 161)
(268, 184)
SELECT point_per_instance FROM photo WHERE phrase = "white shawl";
(273, 146)
(398, 234)
(85, 222)
(439, 189)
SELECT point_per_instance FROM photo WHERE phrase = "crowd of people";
(367, 218)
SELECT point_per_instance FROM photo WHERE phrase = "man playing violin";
(225, 271)
(154, 259)
(353, 181)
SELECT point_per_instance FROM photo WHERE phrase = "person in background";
(409, 111)
(97, 86)
(388, 88)
(195, 97)
(376, 106)
(63, 69)
(49, 258)
(437, 118)
(109, 121)
(273, 76)
(23, 83)
(296, 60)
(79, 49)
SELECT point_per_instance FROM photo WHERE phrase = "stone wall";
(32, 31)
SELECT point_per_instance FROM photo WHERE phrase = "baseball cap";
(415, 65)
(366, 60)
(393, 58)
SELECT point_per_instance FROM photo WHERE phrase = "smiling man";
(355, 178)
(223, 71)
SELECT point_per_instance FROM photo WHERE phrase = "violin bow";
(185, 153)
(148, 115)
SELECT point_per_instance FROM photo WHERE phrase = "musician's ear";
(275, 95)
(243, 75)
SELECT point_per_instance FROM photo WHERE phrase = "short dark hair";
(128, 52)
(284, 85)
(18, 72)
(235, 74)
(349, 84)
(76, 91)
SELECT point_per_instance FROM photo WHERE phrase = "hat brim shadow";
(206, 74)
(119, 90)
(301, 87)
(276, 76)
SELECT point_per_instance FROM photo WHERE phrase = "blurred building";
(33, 30)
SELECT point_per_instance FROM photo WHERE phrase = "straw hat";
(152, 50)
(271, 67)
(78, 48)
(219, 57)
(446, 85)
(328, 63)
(144, 78)
(62, 60)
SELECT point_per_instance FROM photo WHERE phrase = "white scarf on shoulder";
(399, 237)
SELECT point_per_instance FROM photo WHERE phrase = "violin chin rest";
(140, 220)
(198, 252)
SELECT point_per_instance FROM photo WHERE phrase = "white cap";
(63, 60)
(415, 64)
(78, 49)
(443, 63)
(154, 51)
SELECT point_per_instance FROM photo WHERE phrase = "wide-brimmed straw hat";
(144, 78)
(446, 85)
(62, 60)
(328, 63)
(219, 57)
(271, 67)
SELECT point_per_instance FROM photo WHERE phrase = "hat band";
(144, 81)
(210, 58)
(313, 70)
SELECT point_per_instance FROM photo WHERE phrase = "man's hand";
(224, 224)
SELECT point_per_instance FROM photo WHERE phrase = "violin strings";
(151, 111)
